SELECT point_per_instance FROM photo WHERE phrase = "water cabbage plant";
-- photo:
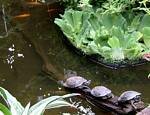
(14, 107)
(111, 36)
(109, 6)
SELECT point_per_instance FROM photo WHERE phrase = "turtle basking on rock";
(102, 92)
(129, 97)
(76, 82)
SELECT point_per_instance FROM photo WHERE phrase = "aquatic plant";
(75, 4)
(15, 107)
(109, 6)
(110, 35)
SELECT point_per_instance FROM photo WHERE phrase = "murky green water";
(40, 39)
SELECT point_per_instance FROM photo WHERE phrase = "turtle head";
(87, 83)
(69, 73)
(62, 83)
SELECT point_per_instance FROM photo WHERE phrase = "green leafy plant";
(109, 35)
(4, 110)
(109, 6)
(73, 25)
(116, 30)
(15, 108)
(116, 6)
(70, 3)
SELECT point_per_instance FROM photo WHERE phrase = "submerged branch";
(47, 66)
(5, 22)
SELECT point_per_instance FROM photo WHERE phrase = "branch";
(5, 22)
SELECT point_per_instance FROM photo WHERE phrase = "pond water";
(33, 57)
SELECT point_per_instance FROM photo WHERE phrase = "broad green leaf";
(135, 23)
(15, 107)
(39, 108)
(58, 103)
(146, 36)
(114, 42)
(62, 24)
(68, 17)
(94, 22)
(4, 110)
(77, 20)
(145, 22)
(66, 28)
(73, 23)
(133, 53)
(94, 48)
(117, 32)
(109, 20)
(136, 36)
(70, 95)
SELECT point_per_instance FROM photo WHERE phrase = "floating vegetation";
(114, 36)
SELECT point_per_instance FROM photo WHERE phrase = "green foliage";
(109, 6)
(73, 25)
(77, 4)
(115, 29)
(4, 110)
(146, 36)
(109, 35)
(145, 29)
(15, 108)
(70, 3)
(145, 8)
(116, 6)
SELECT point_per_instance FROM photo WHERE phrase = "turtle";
(76, 82)
(101, 92)
(129, 97)
(145, 111)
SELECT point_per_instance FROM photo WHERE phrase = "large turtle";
(101, 92)
(76, 82)
(129, 97)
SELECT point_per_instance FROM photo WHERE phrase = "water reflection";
(22, 15)
(34, 76)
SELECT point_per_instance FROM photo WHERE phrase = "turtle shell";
(128, 95)
(100, 91)
(74, 82)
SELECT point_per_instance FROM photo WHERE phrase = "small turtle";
(69, 73)
(129, 97)
(101, 92)
(76, 82)
(145, 111)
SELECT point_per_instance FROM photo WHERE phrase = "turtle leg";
(87, 82)
(132, 103)
(85, 88)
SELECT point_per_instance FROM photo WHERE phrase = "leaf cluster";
(110, 6)
(15, 107)
(110, 35)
